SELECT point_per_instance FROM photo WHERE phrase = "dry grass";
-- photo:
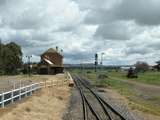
(47, 104)
(137, 111)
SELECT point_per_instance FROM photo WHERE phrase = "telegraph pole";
(96, 64)
(102, 60)
(96, 61)
(29, 64)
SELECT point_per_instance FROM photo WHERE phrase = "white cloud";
(125, 30)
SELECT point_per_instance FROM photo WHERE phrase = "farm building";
(51, 62)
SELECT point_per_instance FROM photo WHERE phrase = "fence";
(17, 94)
(68, 76)
(21, 92)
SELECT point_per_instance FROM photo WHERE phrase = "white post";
(31, 89)
(52, 87)
(12, 96)
(2, 99)
(45, 83)
(25, 91)
(14, 85)
(57, 82)
(20, 91)
(51, 82)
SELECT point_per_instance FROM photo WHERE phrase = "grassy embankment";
(137, 98)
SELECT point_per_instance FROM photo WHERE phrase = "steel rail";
(84, 99)
(102, 101)
(102, 105)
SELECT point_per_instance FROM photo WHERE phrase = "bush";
(102, 76)
(88, 72)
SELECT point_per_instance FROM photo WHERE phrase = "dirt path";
(47, 104)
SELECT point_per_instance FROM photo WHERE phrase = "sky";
(125, 30)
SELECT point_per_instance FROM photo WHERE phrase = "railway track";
(94, 107)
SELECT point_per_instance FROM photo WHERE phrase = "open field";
(141, 95)
(47, 104)
(149, 77)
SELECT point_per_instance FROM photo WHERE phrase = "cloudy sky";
(125, 30)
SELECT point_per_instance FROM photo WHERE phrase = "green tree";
(158, 65)
(1, 58)
(11, 58)
(141, 66)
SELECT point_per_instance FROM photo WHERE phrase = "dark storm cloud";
(26, 20)
(67, 28)
(99, 17)
(137, 50)
(113, 31)
(144, 12)
(18, 37)
(3, 2)
(86, 55)
(79, 55)
(24, 23)
(155, 46)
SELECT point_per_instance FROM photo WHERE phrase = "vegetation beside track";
(138, 99)
(149, 77)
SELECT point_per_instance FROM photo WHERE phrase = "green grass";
(149, 77)
(136, 101)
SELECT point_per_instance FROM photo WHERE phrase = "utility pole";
(29, 64)
(96, 61)
(102, 60)
(82, 69)
(96, 64)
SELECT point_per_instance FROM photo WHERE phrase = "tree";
(1, 58)
(11, 58)
(158, 65)
(141, 66)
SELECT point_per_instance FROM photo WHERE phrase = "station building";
(51, 62)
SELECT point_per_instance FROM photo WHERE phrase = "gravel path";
(75, 111)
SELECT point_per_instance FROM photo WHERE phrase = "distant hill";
(91, 65)
(78, 65)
